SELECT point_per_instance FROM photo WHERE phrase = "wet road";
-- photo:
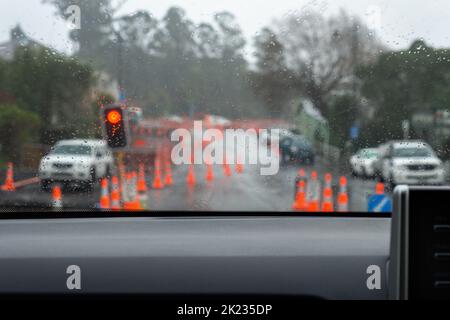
(247, 191)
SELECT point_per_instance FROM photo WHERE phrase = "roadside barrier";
(343, 195)
(327, 202)
(300, 203)
(9, 181)
(104, 195)
(57, 203)
(313, 193)
(115, 193)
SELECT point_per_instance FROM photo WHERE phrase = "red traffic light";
(114, 117)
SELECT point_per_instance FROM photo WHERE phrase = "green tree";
(402, 83)
(52, 85)
(17, 127)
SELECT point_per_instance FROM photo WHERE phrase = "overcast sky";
(397, 22)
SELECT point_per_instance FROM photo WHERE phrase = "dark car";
(296, 149)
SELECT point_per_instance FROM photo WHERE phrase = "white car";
(362, 163)
(76, 162)
(411, 163)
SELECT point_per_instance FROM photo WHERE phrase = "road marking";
(381, 205)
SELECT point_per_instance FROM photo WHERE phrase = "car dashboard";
(302, 257)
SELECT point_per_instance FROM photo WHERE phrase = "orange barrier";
(9, 181)
(157, 182)
(26, 182)
(115, 193)
(141, 184)
(168, 180)
(313, 197)
(300, 202)
(104, 194)
(57, 197)
(343, 195)
(327, 202)
(379, 189)
(191, 175)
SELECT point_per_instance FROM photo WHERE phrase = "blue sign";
(122, 97)
(379, 203)
(354, 132)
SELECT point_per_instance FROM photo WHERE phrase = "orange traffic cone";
(343, 195)
(209, 171)
(379, 188)
(191, 175)
(226, 167)
(314, 193)
(115, 193)
(9, 181)
(168, 179)
(300, 203)
(239, 168)
(157, 182)
(141, 184)
(327, 203)
(57, 198)
(132, 202)
(104, 195)
(300, 176)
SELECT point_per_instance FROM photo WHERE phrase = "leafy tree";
(406, 82)
(52, 85)
(17, 126)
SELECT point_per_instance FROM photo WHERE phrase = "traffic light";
(115, 127)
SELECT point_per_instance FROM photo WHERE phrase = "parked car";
(362, 163)
(411, 163)
(79, 162)
(296, 148)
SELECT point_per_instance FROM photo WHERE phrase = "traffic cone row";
(308, 197)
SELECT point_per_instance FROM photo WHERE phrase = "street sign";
(379, 203)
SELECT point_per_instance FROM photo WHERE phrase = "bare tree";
(323, 53)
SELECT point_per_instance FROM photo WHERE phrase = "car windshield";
(412, 152)
(221, 105)
(71, 150)
(369, 154)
